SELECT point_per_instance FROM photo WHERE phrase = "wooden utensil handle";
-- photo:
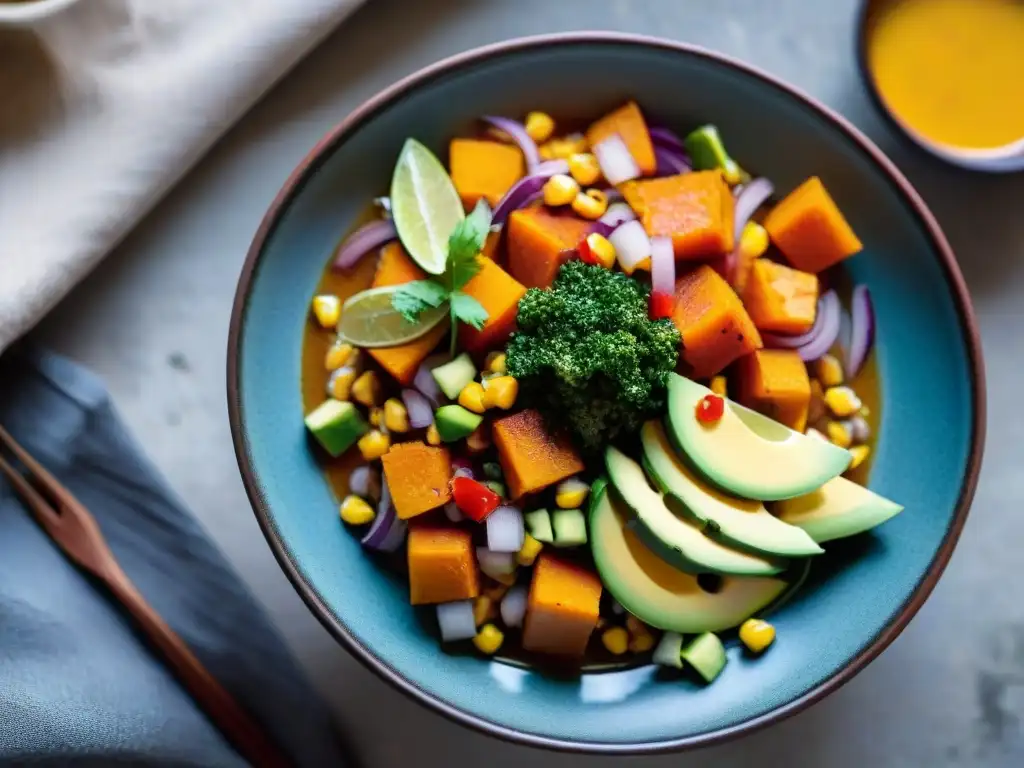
(236, 725)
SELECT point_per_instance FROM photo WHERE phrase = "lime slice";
(368, 320)
(424, 205)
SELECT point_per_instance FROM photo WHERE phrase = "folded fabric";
(119, 100)
(77, 685)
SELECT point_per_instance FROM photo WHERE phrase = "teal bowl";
(929, 447)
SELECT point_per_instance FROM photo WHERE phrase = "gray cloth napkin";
(78, 686)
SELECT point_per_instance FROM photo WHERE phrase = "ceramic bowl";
(929, 448)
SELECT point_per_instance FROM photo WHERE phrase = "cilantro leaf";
(465, 243)
(410, 299)
(467, 309)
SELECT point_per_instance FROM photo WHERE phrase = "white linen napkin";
(118, 100)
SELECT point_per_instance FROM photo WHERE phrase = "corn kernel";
(355, 511)
(571, 493)
(641, 639)
(859, 453)
(757, 634)
(338, 355)
(584, 168)
(479, 440)
(501, 392)
(829, 371)
(433, 436)
(374, 444)
(616, 640)
(591, 204)
(339, 385)
(563, 149)
(839, 433)
(367, 389)
(539, 126)
(754, 240)
(560, 190)
(327, 310)
(396, 417)
(472, 397)
(489, 639)
(529, 551)
(496, 362)
(601, 248)
(376, 417)
(842, 401)
(718, 386)
(483, 609)
(634, 626)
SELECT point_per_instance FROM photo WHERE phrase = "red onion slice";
(513, 606)
(551, 167)
(421, 412)
(750, 198)
(424, 379)
(617, 164)
(518, 134)
(666, 138)
(456, 621)
(617, 213)
(632, 245)
(505, 530)
(828, 307)
(526, 190)
(453, 513)
(387, 532)
(362, 241)
(663, 265)
(862, 331)
(364, 481)
(671, 163)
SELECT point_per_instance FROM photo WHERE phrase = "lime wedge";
(368, 320)
(424, 205)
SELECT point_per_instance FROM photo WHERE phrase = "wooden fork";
(76, 532)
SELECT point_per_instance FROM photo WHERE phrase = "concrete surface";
(153, 320)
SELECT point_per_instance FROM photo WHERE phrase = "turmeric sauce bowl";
(949, 74)
(853, 604)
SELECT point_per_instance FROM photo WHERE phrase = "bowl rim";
(337, 134)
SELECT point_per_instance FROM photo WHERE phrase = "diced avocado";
(745, 453)
(678, 540)
(669, 650)
(538, 524)
(454, 375)
(570, 527)
(707, 152)
(454, 422)
(738, 522)
(706, 654)
(658, 594)
(497, 488)
(336, 425)
(838, 509)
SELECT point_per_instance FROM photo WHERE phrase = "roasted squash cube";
(499, 293)
(779, 298)
(484, 169)
(775, 383)
(442, 565)
(810, 230)
(562, 607)
(531, 457)
(628, 122)
(418, 476)
(539, 242)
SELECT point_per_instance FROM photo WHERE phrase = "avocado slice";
(679, 541)
(748, 454)
(838, 509)
(654, 591)
(736, 522)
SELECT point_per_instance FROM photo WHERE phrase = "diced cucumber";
(454, 422)
(669, 650)
(570, 527)
(706, 654)
(454, 375)
(496, 487)
(538, 524)
(336, 425)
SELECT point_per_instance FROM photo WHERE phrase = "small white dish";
(26, 13)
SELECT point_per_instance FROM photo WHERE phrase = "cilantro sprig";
(464, 245)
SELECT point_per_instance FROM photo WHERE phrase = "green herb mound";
(587, 356)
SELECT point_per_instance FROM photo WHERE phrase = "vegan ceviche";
(599, 396)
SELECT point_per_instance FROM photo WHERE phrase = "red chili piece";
(475, 500)
(586, 254)
(661, 305)
(710, 409)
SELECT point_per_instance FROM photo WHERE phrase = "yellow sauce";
(952, 70)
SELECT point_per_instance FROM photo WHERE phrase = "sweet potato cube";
(627, 121)
(532, 457)
(499, 293)
(539, 242)
(418, 476)
(779, 298)
(562, 608)
(395, 268)
(695, 209)
(484, 169)
(715, 328)
(810, 230)
(775, 383)
(442, 566)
